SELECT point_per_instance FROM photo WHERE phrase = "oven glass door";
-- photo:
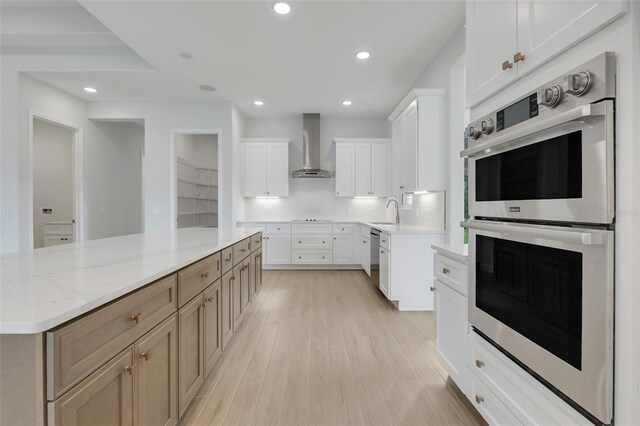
(544, 294)
(535, 290)
(564, 173)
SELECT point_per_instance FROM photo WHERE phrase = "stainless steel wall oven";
(541, 238)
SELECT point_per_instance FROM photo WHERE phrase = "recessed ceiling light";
(347, 103)
(185, 55)
(90, 90)
(282, 7)
(258, 103)
(363, 55)
(207, 88)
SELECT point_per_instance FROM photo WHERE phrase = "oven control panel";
(585, 84)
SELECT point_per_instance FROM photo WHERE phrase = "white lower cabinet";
(488, 404)
(385, 272)
(365, 255)
(343, 252)
(278, 249)
(311, 257)
(451, 329)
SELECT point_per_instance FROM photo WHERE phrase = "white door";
(397, 154)
(363, 170)
(343, 250)
(345, 170)
(365, 255)
(410, 148)
(451, 329)
(255, 170)
(546, 28)
(380, 169)
(385, 272)
(277, 169)
(492, 38)
(279, 249)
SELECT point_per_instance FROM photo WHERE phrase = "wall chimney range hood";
(311, 149)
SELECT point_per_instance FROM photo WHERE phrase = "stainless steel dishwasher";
(375, 257)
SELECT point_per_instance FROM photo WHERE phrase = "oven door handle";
(538, 231)
(581, 112)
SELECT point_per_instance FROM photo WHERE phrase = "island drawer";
(195, 278)
(80, 347)
(241, 250)
(256, 241)
(227, 259)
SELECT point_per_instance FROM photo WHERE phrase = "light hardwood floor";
(323, 348)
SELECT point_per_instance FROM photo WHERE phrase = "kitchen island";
(123, 329)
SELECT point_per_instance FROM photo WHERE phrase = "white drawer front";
(385, 241)
(528, 399)
(311, 257)
(488, 404)
(451, 272)
(312, 242)
(56, 240)
(343, 229)
(365, 231)
(58, 229)
(316, 228)
(279, 228)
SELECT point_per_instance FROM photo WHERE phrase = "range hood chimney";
(311, 149)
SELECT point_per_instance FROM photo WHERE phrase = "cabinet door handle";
(506, 65)
(518, 57)
(243, 250)
(381, 251)
(432, 288)
(137, 318)
(323, 242)
(204, 275)
(130, 369)
(445, 270)
(479, 363)
(218, 263)
(364, 241)
(146, 355)
(479, 399)
(209, 299)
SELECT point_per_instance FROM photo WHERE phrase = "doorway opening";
(196, 182)
(55, 182)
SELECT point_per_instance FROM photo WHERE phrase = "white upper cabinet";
(345, 170)
(509, 38)
(418, 139)
(362, 167)
(492, 40)
(266, 167)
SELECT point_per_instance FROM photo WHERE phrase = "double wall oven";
(541, 205)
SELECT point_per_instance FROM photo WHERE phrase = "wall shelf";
(197, 194)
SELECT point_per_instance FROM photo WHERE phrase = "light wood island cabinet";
(140, 359)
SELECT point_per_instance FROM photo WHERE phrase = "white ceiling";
(301, 62)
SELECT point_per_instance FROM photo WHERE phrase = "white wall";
(315, 198)
(100, 153)
(163, 120)
(113, 171)
(52, 176)
(622, 37)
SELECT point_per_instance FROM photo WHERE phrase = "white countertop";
(389, 229)
(459, 252)
(46, 287)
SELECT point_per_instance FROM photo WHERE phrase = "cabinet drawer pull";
(479, 363)
(323, 242)
(299, 242)
(130, 369)
(445, 270)
(204, 275)
(137, 318)
(243, 250)
(227, 260)
(432, 288)
(218, 263)
(384, 241)
(146, 355)
(518, 57)
(364, 241)
(506, 65)
(479, 399)
(209, 299)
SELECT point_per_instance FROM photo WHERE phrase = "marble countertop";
(389, 229)
(44, 288)
(459, 252)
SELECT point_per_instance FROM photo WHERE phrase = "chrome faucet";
(397, 209)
